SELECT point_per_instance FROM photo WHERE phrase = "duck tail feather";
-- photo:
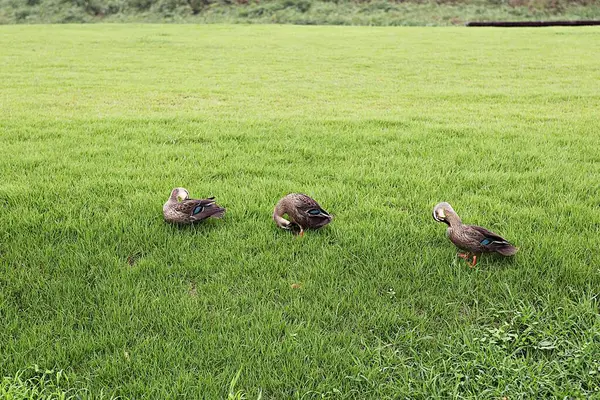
(507, 250)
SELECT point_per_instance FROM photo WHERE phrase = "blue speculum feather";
(197, 210)
(486, 241)
(314, 211)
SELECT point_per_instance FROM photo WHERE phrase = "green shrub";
(330, 12)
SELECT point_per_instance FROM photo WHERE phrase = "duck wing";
(310, 207)
(198, 210)
(491, 241)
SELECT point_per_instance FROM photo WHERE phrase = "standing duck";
(302, 211)
(470, 238)
(180, 209)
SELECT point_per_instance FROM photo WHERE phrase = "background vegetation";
(99, 122)
(306, 12)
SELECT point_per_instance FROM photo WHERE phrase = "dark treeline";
(339, 12)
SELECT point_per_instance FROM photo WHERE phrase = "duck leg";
(301, 233)
(473, 262)
(467, 257)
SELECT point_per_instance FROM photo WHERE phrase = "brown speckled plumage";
(180, 209)
(303, 212)
(475, 240)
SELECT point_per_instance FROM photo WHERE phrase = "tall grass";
(35, 383)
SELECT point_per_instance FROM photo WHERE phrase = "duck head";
(443, 212)
(179, 194)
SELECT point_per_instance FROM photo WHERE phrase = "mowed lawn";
(98, 123)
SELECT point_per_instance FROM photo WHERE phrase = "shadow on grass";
(198, 227)
(493, 260)
(487, 261)
(295, 231)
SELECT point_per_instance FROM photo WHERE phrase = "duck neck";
(278, 216)
(453, 220)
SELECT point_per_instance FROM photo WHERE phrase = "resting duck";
(472, 239)
(180, 209)
(302, 211)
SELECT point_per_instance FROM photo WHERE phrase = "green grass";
(98, 123)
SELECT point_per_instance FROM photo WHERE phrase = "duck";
(475, 240)
(303, 212)
(180, 209)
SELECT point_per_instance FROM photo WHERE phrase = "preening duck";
(180, 209)
(303, 212)
(475, 240)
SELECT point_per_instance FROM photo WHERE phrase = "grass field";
(98, 123)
